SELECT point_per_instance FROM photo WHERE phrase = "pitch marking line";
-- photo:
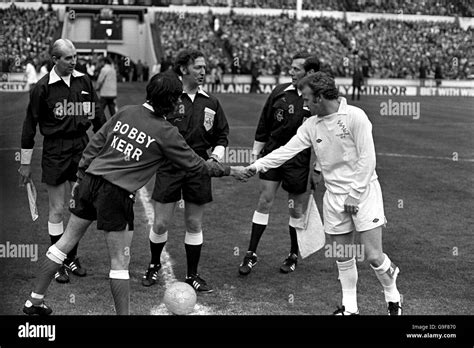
(166, 261)
(424, 157)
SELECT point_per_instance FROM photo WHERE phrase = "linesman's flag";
(31, 190)
(311, 236)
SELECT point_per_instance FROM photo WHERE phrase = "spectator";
(139, 70)
(107, 86)
(357, 82)
(438, 74)
(30, 73)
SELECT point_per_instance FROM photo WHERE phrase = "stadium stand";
(463, 8)
(384, 48)
(26, 34)
(250, 44)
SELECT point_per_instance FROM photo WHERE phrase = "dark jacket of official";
(202, 123)
(281, 117)
(61, 111)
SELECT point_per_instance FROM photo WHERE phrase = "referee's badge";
(208, 118)
(279, 115)
(59, 111)
(86, 107)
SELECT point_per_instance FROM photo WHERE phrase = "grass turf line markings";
(423, 157)
(166, 262)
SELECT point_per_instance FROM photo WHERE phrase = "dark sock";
(193, 253)
(73, 253)
(54, 239)
(156, 249)
(294, 241)
(121, 294)
(46, 274)
(257, 231)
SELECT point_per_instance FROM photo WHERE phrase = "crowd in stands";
(264, 45)
(463, 8)
(241, 44)
(26, 35)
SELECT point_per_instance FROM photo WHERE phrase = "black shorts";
(192, 187)
(61, 158)
(294, 179)
(97, 199)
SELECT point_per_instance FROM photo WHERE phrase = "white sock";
(348, 278)
(55, 229)
(193, 238)
(260, 218)
(158, 238)
(387, 277)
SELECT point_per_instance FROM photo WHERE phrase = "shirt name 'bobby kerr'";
(130, 151)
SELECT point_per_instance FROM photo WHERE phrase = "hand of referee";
(25, 173)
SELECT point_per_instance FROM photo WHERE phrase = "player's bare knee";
(193, 225)
(264, 204)
(374, 257)
(160, 226)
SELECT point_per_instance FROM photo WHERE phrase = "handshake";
(242, 173)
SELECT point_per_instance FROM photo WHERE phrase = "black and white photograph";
(259, 167)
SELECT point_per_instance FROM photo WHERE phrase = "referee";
(203, 124)
(64, 104)
(282, 114)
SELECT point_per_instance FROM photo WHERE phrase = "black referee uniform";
(204, 126)
(64, 114)
(281, 116)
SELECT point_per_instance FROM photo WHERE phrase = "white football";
(180, 298)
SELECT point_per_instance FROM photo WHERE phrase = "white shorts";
(369, 216)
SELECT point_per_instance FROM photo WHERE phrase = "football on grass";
(180, 298)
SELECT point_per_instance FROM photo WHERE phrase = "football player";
(341, 136)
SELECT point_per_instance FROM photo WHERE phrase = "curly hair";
(320, 83)
(184, 58)
(163, 92)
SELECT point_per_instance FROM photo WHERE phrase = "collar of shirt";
(341, 111)
(53, 77)
(148, 106)
(292, 88)
(200, 91)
